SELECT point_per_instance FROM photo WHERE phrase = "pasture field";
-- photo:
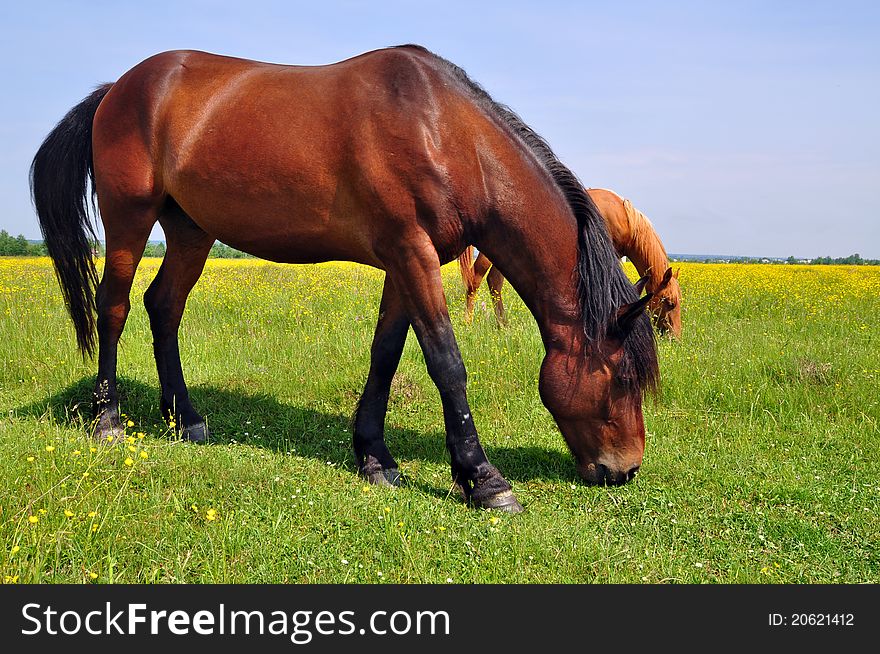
(762, 462)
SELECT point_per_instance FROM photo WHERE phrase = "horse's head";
(594, 392)
(665, 307)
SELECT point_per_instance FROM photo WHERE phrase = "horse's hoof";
(197, 433)
(385, 477)
(109, 435)
(503, 501)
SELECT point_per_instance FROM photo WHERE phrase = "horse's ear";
(667, 277)
(629, 312)
(677, 270)
(640, 285)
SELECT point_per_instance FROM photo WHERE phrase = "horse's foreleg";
(416, 276)
(165, 299)
(374, 460)
(495, 280)
(480, 267)
(470, 299)
(124, 250)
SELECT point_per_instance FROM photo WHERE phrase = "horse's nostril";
(632, 473)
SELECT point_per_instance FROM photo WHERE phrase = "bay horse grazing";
(633, 236)
(395, 159)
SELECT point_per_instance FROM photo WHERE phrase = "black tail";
(59, 179)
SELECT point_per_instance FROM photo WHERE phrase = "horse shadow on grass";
(260, 420)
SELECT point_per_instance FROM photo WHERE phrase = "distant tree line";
(851, 260)
(218, 251)
(19, 246)
(222, 251)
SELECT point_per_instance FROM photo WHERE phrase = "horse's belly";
(287, 229)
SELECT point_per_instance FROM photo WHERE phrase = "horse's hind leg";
(495, 280)
(374, 460)
(414, 269)
(187, 250)
(127, 229)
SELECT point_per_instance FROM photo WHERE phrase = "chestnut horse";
(633, 236)
(395, 159)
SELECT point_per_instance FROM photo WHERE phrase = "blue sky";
(745, 128)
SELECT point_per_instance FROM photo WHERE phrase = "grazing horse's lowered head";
(594, 393)
(665, 307)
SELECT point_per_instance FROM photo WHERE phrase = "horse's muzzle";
(599, 474)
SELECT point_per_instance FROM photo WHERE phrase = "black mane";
(603, 287)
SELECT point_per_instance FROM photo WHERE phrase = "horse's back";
(610, 206)
(305, 156)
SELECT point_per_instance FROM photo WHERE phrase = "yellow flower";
(7, 579)
(141, 434)
(85, 474)
(132, 448)
(33, 519)
(211, 514)
(366, 489)
(93, 514)
(50, 448)
(30, 459)
(494, 520)
(92, 575)
(93, 449)
(76, 453)
(94, 528)
(130, 439)
(129, 461)
(14, 549)
(109, 437)
(130, 423)
(387, 509)
(143, 454)
(69, 513)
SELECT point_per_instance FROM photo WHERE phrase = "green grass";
(761, 464)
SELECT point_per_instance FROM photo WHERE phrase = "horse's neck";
(647, 254)
(533, 243)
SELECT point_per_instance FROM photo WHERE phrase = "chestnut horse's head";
(665, 307)
(594, 391)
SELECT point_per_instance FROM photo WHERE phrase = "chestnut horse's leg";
(126, 231)
(495, 280)
(481, 265)
(374, 460)
(188, 247)
(415, 272)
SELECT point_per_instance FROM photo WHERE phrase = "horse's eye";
(624, 381)
(670, 304)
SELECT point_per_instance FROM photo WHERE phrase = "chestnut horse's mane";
(603, 287)
(643, 238)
